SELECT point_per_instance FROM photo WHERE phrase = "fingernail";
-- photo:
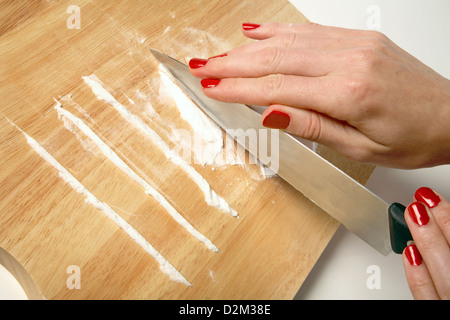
(427, 196)
(250, 26)
(219, 56)
(196, 63)
(276, 120)
(210, 83)
(418, 213)
(413, 255)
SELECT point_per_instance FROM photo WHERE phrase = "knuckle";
(359, 90)
(271, 58)
(287, 40)
(369, 58)
(312, 127)
(356, 86)
(373, 52)
(272, 86)
(377, 37)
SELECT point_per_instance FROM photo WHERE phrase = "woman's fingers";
(264, 91)
(270, 60)
(419, 280)
(322, 94)
(428, 222)
(317, 127)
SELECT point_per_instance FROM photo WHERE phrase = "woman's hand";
(354, 91)
(427, 260)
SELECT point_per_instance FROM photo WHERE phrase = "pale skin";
(360, 94)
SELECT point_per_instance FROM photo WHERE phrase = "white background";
(422, 28)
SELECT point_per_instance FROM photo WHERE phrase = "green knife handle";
(398, 229)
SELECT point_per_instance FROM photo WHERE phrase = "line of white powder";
(211, 197)
(118, 162)
(64, 174)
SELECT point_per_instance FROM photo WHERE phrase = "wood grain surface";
(48, 226)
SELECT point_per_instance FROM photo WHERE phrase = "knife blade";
(362, 212)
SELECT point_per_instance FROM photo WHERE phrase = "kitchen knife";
(366, 215)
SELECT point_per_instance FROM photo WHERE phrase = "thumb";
(317, 127)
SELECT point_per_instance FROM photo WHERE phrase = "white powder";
(64, 174)
(211, 197)
(208, 145)
(207, 132)
(70, 120)
(147, 106)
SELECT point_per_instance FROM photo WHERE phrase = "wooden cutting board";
(64, 240)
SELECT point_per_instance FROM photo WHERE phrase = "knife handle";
(398, 228)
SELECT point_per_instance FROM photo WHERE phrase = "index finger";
(321, 94)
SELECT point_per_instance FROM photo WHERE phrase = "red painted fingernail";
(276, 120)
(250, 26)
(219, 56)
(196, 63)
(418, 213)
(413, 255)
(427, 196)
(210, 83)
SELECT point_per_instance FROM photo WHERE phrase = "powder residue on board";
(208, 138)
(211, 197)
(192, 42)
(208, 144)
(91, 199)
(71, 120)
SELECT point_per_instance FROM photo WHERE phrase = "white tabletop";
(350, 269)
